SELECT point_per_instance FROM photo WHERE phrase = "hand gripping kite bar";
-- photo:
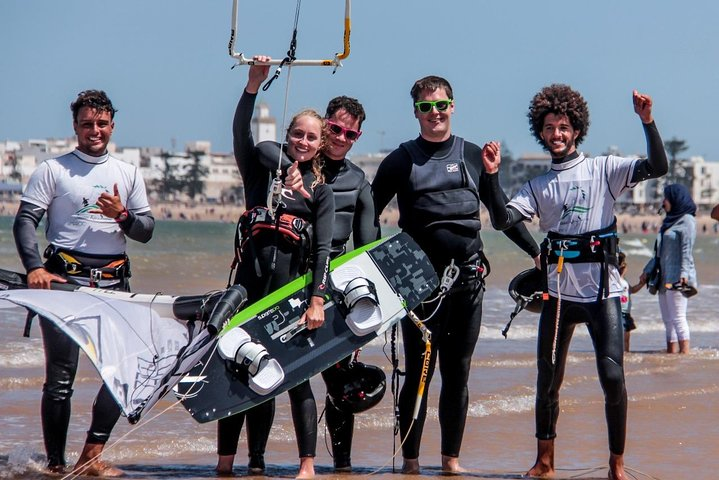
(336, 61)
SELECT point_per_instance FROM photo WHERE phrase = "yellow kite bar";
(334, 62)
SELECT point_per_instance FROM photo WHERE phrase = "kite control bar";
(336, 61)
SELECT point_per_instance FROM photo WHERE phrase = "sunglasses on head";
(426, 105)
(339, 130)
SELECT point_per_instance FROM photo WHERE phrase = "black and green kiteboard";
(262, 351)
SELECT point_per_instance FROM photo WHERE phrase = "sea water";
(672, 399)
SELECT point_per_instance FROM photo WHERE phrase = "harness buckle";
(70, 264)
(449, 276)
(593, 243)
(95, 276)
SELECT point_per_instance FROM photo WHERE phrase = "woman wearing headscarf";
(677, 276)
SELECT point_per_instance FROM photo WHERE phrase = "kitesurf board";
(286, 354)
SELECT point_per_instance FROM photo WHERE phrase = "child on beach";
(626, 299)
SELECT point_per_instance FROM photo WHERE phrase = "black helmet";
(355, 387)
(526, 289)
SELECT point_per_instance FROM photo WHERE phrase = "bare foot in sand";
(307, 468)
(616, 467)
(224, 465)
(451, 465)
(544, 465)
(410, 466)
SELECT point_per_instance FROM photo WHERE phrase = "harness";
(598, 246)
(477, 269)
(465, 276)
(294, 230)
(99, 270)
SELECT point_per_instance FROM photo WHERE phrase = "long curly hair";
(560, 100)
(317, 162)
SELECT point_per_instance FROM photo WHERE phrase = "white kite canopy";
(335, 61)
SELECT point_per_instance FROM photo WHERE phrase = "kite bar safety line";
(336, 61)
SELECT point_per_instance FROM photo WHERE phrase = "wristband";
(122, 216)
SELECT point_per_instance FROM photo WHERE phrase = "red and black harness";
(258, 220)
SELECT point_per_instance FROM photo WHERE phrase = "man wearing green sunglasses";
(439, 181)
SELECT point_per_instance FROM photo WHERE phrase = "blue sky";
(165, 65)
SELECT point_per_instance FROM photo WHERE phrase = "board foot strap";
(265, 373)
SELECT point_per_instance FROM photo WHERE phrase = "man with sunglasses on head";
(439, 181)
(354, 207)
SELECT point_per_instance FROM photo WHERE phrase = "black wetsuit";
(438, 200)
(354, 217)
(256, 169)
(603, 318)
(61, 353)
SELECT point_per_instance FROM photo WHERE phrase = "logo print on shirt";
(567, 210)
(582, 192)
(576, 209)
(452, 167)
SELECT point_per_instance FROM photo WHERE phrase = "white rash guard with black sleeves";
(588, 188)
(68, 188)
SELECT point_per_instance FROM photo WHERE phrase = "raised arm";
(501, 216)
(655, 165)
(242, 140)
(496, 200)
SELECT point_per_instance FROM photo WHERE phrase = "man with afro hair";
(574, 202)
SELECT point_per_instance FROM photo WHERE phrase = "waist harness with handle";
(96, 270)
(294, 230)
(598, 246)
(103, 271)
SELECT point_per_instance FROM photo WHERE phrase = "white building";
(704, 181)
(264, 125)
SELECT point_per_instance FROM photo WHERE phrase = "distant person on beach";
(574, 202)
(355, 218)
(675, 279)
(626, 299)
(268, 259)
(93, 202)
(439, 180)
